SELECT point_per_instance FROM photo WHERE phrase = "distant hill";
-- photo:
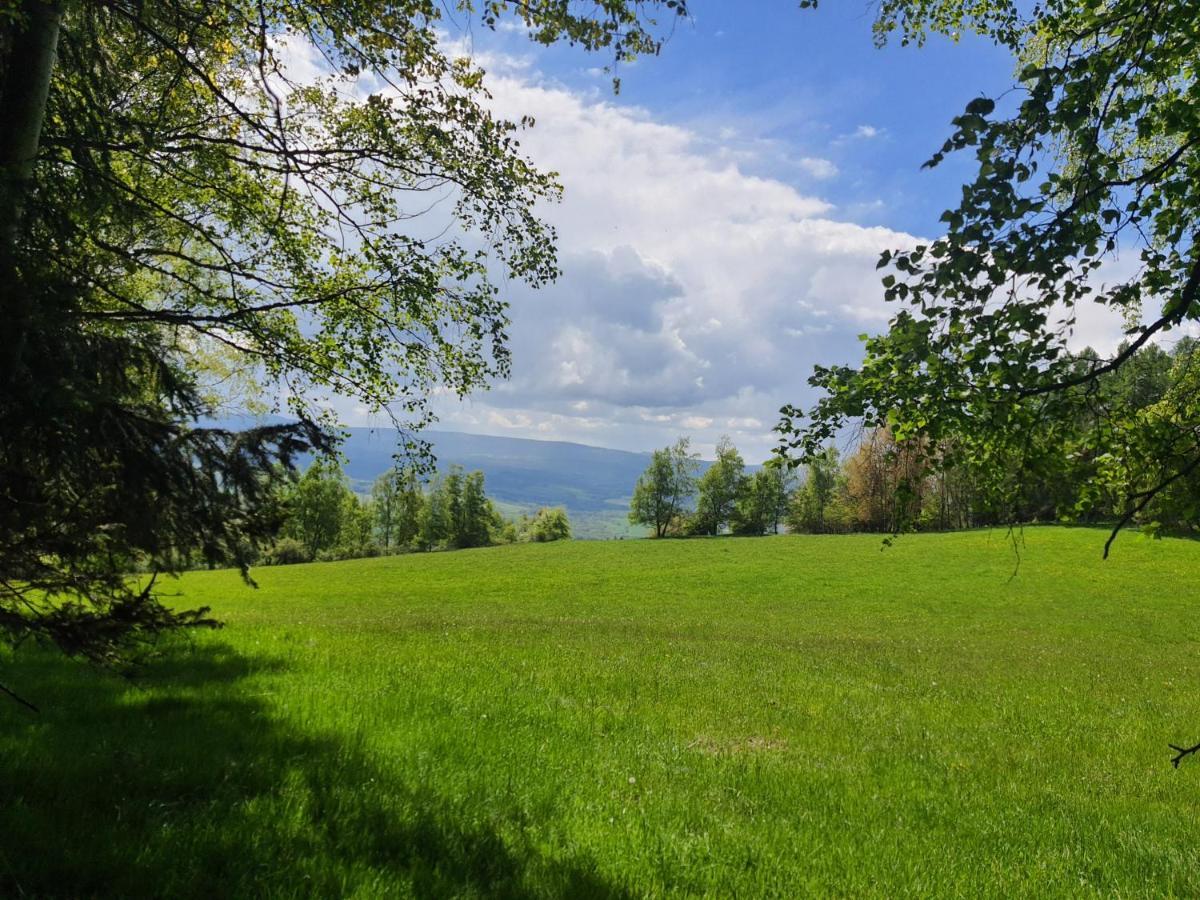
(593, 483)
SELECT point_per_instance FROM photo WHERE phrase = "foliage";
(1095, 153)
(550, 524)
(478, 518)
(317, 508)
(175, 190)
(719, 489)
(386, 493)
(356, 537)
(329, 521)
(285, 552)
(809, 509)
(333, 522)
(98, 477)
(1156, 454)
(762, 501)
(855, 723)
(664, 491)
(885, 482)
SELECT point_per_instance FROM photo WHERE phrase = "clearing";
(774, 716)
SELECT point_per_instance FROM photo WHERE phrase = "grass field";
(727, 717)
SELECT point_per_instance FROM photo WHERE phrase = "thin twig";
(19, 699)
(1181, 752)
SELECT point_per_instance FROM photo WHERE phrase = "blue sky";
(722, 218)
(810, 79)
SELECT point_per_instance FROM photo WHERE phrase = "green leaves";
(981, 107)
(317, 196)
(979, 349)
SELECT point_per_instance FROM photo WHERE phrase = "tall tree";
(885, 482)
(172, 187)
(317, 507)
(385, 503)
(719, 488)
(411, 503)
(477, 513)
(356, 535)
(810, 504)
(763, 499)
(451, 490)
(435, 526)
(397, 499)
(663, 493)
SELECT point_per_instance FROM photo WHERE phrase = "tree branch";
(25, 703)
(1177, 311)
(1181, 752)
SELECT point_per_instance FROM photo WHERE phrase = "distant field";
(725, 717)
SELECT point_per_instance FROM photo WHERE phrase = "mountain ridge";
(594, 484)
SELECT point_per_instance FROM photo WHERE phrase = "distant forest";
(1083, 471)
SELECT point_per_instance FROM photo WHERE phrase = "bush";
(285, 551)
(508, 533)
(550, 525)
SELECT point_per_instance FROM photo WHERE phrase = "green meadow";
(954, 715)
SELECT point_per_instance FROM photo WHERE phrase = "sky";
(721, 221)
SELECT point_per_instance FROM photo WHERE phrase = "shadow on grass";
(189, 787)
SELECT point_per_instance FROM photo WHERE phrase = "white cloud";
(694, 294)
(695, 297)
(820, 169)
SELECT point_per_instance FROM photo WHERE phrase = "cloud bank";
(695, 296)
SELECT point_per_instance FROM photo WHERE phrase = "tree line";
(675, 500)
(322, 518)
(1082, 470)
(1121, 458)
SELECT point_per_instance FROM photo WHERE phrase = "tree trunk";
(28, 62)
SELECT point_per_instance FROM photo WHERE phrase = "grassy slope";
(774, 716)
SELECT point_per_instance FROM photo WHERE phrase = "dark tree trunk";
(27, 52)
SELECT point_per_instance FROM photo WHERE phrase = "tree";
(410, 503)
(720, 487)
(664, 491)
(809, 506)
(1096, 153)
(780, 486)
(171, 193)
(550, 524)
(385, 503)
(763, 500)
(356, 536)
(435, 526)
(478, 515)
(317, 508)
(885, 482)
(1154, 464)
(451, 490)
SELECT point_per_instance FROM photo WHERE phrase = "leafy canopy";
(1086, 192)
(309, 198)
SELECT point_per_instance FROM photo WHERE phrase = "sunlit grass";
(772, 716)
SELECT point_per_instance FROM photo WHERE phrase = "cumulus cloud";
(695, 296)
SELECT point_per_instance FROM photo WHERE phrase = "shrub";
(285, 551)
(550, 525)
